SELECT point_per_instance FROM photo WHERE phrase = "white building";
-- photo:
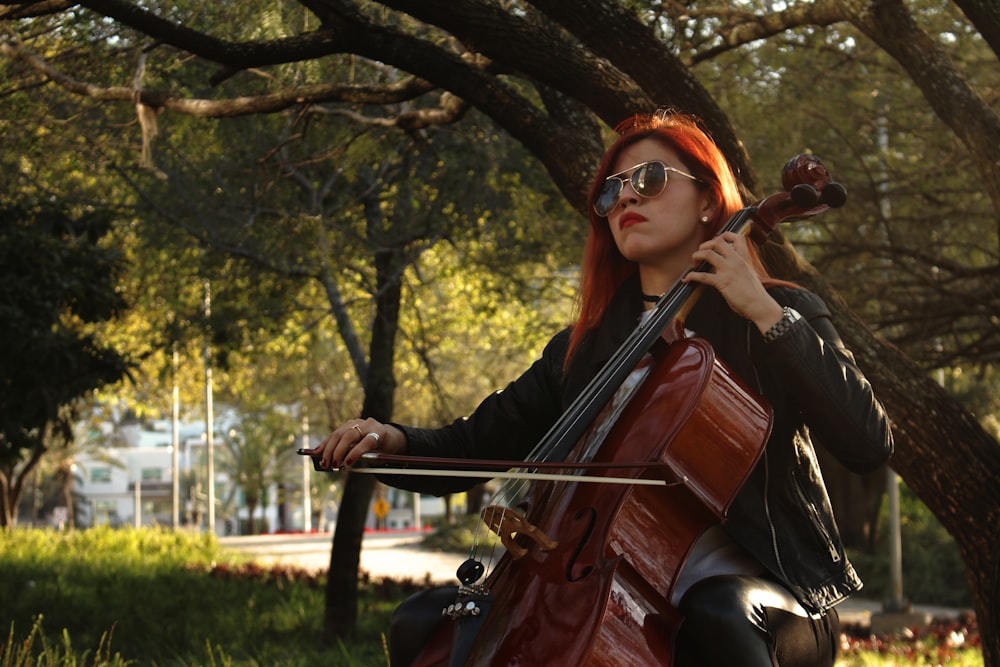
(132, 485)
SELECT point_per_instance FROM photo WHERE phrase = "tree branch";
(24, 10)
(406, 89)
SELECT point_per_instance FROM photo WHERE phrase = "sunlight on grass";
(155, 597)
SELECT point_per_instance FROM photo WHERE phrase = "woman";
(761, 589)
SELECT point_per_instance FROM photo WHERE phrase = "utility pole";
(175, 468)
(137, 514)
(209, 416)
(896, 603)
(306, 474)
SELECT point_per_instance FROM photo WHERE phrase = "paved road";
(400, 555)
(387, 554)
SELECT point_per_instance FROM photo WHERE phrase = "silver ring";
(375, 435)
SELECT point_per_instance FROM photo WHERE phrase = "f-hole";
(586, 569)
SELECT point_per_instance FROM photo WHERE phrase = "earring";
(704, 218)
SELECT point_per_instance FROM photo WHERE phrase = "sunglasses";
(647, 179)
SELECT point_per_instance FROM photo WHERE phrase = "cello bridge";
(508, 523)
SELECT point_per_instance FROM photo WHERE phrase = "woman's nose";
(628, 194)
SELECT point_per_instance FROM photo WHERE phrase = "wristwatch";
(790, 317)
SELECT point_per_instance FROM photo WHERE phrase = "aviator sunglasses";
(648, 180)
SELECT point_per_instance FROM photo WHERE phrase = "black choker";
(651, 298)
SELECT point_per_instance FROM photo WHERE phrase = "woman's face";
(663, 229)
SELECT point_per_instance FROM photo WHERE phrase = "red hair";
(603, 268)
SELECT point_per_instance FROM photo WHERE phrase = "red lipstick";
(629, 219)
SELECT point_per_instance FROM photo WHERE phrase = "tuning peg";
(834, 195)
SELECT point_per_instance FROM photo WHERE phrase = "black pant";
(732, 621)
(729, 621)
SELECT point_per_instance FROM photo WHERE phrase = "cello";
(589, 569)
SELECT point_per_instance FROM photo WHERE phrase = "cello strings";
(634, 352)
(511, 490)
(628, 355)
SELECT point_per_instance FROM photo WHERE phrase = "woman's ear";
(708, 210)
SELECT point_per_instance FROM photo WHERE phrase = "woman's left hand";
(735, 279)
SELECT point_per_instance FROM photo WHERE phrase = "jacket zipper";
(767, 471)
(814, 515)
(770, 523)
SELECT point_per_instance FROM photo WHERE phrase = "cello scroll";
(809, 190)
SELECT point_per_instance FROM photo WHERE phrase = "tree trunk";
(341, 606)
(251, 521)
(985, 15)
(12, 480)
(942, 453)
(340, 617)
(856, 500)
(475, 499)
(67, 493)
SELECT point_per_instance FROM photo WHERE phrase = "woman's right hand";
(347, 443)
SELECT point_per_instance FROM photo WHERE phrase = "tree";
(58, 282)
(254, 447)
(391, 199)
(549, 72)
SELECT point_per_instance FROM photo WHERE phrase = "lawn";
(109, 598)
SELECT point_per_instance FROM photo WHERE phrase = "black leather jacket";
(782, 516)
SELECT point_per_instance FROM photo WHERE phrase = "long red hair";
(603, 268)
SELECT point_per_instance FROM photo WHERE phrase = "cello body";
(620, 547)
(596, 590)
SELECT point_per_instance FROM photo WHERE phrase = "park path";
(383, 554)
(398, 554)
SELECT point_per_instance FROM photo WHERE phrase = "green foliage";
(975, 389)
(466, 531)
(469, 330)
(162, 598)
(295, 221)
(916, 234)
(254, 449)
(58, 281)
(933, 570)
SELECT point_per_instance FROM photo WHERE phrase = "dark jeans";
(752, 622)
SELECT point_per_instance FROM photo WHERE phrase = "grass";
(111, 598)
(149, 597)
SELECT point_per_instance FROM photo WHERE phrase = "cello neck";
(809, 190)
(670, 312)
